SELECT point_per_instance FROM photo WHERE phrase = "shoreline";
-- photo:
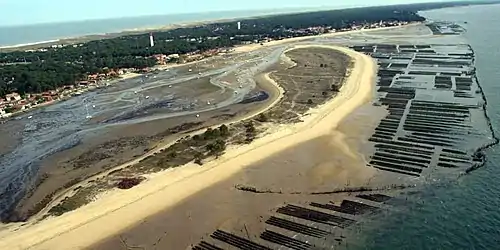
(136, 31)
(480, 152)
(123, 77)
(20, 45)
(144, 30)
(353, 95)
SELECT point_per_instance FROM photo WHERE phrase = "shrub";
(127, 183)
(224, 130)
(262, 117)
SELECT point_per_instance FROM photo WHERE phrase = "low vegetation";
(80, 198)
(211, 143)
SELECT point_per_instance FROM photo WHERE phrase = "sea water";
(465, 213)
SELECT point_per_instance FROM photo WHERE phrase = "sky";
(26, 12)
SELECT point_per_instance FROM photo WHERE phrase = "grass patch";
(82, 197)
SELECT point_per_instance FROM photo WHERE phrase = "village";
(16, 103)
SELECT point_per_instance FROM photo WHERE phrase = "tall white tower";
(151, 40)
(239, 25)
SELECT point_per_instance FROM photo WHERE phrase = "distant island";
(33, 77)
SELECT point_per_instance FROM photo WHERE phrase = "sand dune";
(119, 209)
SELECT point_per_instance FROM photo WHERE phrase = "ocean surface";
(16, 35)
(463, 213)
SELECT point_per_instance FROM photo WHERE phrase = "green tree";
(224, 130)
(216, 148)
(250, 128)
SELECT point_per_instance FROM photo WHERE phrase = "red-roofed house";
(47, 96)
(160, 58)
(93, 77)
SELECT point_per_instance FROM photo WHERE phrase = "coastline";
(152, 28)
(29, 44)
(203, 195)
(351, 96)
(236, 50)
(136, 31)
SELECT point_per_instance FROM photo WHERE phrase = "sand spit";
(252, 47)
(119, 209)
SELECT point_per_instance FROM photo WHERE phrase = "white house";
(12, 97)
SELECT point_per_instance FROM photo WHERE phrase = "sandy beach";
(117, 210)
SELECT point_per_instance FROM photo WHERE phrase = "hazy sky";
(21, 12)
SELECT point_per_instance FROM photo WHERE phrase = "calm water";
(464, 214)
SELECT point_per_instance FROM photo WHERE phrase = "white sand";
(129, 75)
(120, 209)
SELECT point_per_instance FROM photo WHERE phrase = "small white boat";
(29, 117)
(197, 115)
(170, 86)
(147, 97)
(87, 111)
(93, 106)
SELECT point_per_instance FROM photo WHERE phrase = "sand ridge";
(119, 209)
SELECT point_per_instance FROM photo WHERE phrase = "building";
(160, 58)
(93, 77)
(12, 97)
(151, 40)
(172, 57)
